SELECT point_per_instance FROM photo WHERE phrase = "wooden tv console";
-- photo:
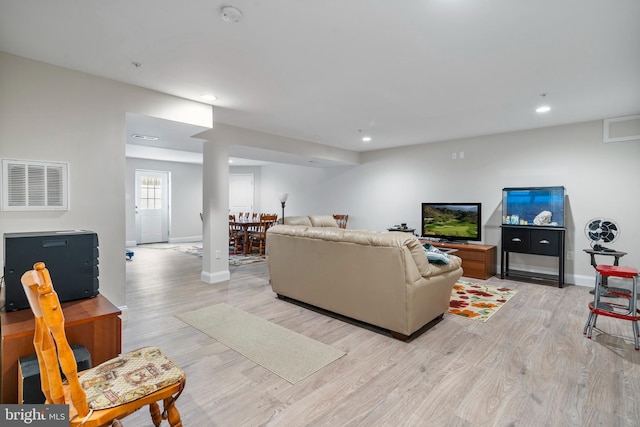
(478, 261)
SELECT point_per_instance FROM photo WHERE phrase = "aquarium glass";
(535, 206)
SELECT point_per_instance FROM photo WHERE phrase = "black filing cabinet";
(546, 241)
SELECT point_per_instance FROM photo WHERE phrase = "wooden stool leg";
(173, 416)
(156, 416)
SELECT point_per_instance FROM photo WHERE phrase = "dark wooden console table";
(94, 323)
(533, 240)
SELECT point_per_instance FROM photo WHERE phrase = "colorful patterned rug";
(477, 301)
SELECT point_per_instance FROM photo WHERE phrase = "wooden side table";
(94, 322)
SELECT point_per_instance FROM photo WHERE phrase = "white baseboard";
(131, 243)
(125, 312)
(588, 281)
(217, 277)
(574, 279)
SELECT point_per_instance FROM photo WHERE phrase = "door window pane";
(150, 192)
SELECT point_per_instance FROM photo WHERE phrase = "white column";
(215, 205)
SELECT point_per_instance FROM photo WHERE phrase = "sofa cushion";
(297, 220)
(323, 221)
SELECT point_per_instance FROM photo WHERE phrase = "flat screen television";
(452, 222)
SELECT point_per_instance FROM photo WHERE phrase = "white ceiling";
(330, 71)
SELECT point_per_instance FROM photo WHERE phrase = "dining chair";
(341, 220)
(236, 236)
(258, 238)
(106, 393)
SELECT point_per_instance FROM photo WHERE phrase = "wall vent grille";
(29, 185)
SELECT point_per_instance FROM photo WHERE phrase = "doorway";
(152, 206)
(241, 193)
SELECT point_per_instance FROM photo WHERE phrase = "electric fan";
(601, 230)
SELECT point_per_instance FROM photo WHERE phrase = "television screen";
(452, 221)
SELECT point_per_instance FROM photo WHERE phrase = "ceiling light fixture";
(544, 107)
(365, 138)
(144, 137)
(230, 14)
(208, 97)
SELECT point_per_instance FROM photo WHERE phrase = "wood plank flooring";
(529, 365)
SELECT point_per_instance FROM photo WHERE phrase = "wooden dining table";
(245, 226)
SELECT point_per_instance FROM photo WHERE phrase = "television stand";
(452, 242)
(478, 261)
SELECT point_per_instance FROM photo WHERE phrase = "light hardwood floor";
(529, 365)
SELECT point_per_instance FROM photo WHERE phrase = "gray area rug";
(285, 353)
(195, 248)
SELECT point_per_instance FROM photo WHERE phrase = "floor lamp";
(283, 201)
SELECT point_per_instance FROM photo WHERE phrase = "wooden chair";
(102, 395)
(341, 220)
(258, 238)
(236, 236)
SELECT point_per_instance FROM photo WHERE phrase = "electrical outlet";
(218, 254)
(454, 155)
(570, 255)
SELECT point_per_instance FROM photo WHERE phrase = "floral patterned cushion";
(129, 377)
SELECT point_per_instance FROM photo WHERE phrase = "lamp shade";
(283, 197)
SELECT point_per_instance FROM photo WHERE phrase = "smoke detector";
(230, 14)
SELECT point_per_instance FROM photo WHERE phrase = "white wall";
(51, 113)
(388, 186)
(186, 198)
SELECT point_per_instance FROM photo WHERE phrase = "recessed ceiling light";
(366, 139)
(208, 97)
(144, 137)
(544, 107)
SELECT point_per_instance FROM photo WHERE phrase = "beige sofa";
(381, 278)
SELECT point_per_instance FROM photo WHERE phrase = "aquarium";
(534, 206)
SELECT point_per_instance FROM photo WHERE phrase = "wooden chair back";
(49, 335)
(54, 353)
(341, 220)
(259, 237)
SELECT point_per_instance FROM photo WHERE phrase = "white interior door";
(241, 193)
(152, 206)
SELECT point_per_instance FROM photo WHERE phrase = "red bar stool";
(627, 311)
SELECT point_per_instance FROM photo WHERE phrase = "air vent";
(33, 185)
(618, 129)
